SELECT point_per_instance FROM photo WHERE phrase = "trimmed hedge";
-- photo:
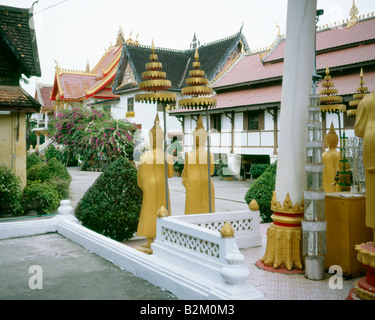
(40, 197)
(261, 190)
(112, 205)
(257, 169)
(32, 160)
(10, 193)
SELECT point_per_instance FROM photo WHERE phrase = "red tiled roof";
(346, 85)
(73, 85)
(248, 97)
(359, 54)
(44, 98)
(337, 37)
(250, 68)
(106, 93)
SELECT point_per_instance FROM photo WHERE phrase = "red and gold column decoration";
(284, 236)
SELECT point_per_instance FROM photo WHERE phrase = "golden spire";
(357, 97)
(156, 126)
(153, 47)
(199, 123)
(353, 15)
(196, 55)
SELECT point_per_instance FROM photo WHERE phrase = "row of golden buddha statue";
(151, 174)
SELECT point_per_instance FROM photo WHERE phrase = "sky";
(74, 32)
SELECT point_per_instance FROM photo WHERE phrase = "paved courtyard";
(71, 272)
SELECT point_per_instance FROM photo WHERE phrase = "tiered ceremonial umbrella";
(361, 92)
(155, 84)
(200, 100)
(329, 100)
(332, 103)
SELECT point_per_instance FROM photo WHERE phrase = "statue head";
(156, 135)
(332, 139)
(199, 134)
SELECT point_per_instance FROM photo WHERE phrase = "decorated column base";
(284, 237)
(364, 288)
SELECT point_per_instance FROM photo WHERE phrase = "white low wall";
(186, 284)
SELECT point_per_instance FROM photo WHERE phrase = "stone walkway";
(71, 272)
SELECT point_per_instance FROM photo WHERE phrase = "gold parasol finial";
(196, 55)
(153, 46)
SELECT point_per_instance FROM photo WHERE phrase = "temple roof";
(43, 95)
(17, 35)
(256, 79)
(72, 85)
(16, 99)
(337, 48)
(176, 63)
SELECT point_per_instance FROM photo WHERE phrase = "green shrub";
(32, 160)
(65, 156)
(40, 197)
(51, 170)
(261, 190)
(257, 169)
(10, 193)
(112, 205)
(61, 186)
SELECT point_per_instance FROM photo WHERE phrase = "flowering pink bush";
(96, 137)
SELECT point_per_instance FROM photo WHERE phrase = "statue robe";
(365, 127)
(195, 180)
(151, 179)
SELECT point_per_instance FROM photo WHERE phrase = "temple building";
(215, 58)
(91, 87)
(18, 56)
(245, 121)
(43, 95)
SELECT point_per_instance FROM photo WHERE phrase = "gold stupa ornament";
(361, 92)
(329, 100)
(197, 88)
(154, 82)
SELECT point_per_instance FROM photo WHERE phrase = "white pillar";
(284, 236)
(297, 79)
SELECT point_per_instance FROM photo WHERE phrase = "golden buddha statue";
(331, 159)
(151, 179)
(365, 127)
(195, 174)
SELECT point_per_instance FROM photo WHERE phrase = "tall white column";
(297, 77)
(284, 236)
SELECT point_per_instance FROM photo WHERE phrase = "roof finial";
(120, 37)
(87, 66)
(194, 43)
(278, 30)
(353, 15)
(196, 55)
